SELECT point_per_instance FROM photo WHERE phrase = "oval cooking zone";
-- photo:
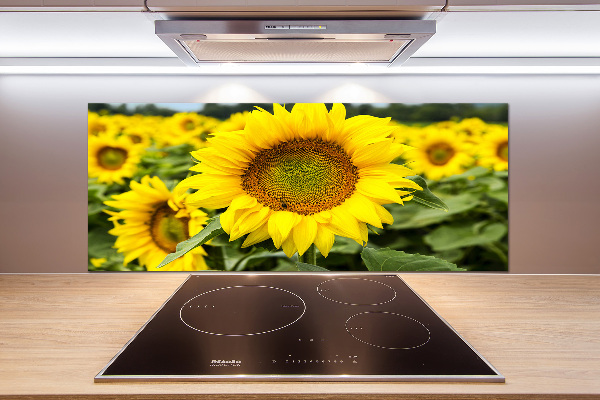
(374, 328)
(242, 310)
(356, 291)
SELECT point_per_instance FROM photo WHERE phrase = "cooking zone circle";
(242, 310)
(388, 330)
(356, 291)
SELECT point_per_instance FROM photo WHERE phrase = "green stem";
(310, 256)
(223, 258)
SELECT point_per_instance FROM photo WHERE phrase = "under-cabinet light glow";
(417, 66)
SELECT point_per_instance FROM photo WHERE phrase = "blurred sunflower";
(235, 122)
(451, 124)
(187, 123)
(121, 121)
(97, 262)
(405, 134)
(140, 134)
(188, 127)
(439, 153)
(493, 149)
(150, 225)
(472, 127)
(301, 177)
(101, 124)
(210, 126)
(110, 159)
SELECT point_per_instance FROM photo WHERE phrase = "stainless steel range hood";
(386, 42)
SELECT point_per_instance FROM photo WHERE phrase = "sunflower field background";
(138, 154)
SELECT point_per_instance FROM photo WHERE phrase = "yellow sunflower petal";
(288, 246)
(324, 240)
(383, 214)
(304, 233)
(257, 236)
(248, 220)
(364, 233)
(134, 254)
(323, 217)
(227, 220)
(376, 153)
(147, 191)
(343, 224)
(378, 189)
(251, 221)
(281, 224)
(243, 202)
(311, 120)
(200, 199)
(363, 210)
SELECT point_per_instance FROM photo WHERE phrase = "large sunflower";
(301, 177)
(439, 153)
(493, 149)
(150, 224)
(110, 159)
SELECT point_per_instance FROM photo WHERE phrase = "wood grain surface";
(542, 332)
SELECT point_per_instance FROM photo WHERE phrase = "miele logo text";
(225, 363)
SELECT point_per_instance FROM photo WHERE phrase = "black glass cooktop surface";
(339, 327)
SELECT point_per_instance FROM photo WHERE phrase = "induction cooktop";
(297, 327)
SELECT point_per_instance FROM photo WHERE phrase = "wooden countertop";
(542, 332)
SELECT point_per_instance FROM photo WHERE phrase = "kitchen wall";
(554, 148)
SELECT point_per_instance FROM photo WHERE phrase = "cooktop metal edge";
(300, 378)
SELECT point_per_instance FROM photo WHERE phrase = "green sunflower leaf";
(95, 208)
(97, 191)
(392, 260)
(304, 267)
(455, 236)
(211, 230)
(425, 197)
(471, 174)
(492, 183)
(258, 257)
(410, 216)
(100, 243)
(500, 195)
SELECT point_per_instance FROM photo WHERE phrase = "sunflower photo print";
(289, 187)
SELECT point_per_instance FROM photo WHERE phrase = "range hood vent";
(388, 42)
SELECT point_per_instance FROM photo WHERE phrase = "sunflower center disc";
(112, 157)
(440, 153)
(135, 138)
(188, 125)
(97, 128)
(301, 176)
(167, 230)
(502, 151)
